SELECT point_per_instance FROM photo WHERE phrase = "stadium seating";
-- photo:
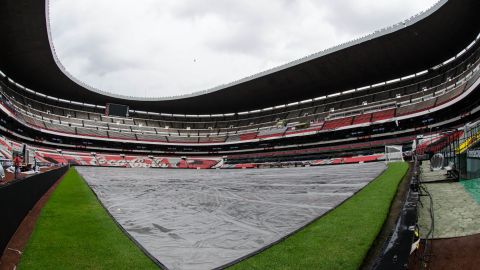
(338, 123)
(383, 102)
(53, 156)
(248, 136)
(416, 107)
(271, 132)
(436, 142)
(383, 115)
(324, 149)
(362, 118)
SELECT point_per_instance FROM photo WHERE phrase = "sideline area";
(456, 205)
(456, 212)
(342, 238)
(75, 232)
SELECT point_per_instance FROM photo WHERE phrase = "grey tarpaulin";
(202, 219)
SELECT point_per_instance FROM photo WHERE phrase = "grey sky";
(171, 47)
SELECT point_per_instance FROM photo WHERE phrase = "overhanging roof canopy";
(26, 57)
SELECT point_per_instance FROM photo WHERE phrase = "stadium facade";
(415, 77)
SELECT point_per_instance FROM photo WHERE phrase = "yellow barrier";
(467, 143)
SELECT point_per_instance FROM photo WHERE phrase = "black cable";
(427, 254)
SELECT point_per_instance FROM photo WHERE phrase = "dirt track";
(452, 253)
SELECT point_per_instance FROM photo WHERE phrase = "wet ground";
(456, 206)
(202, 219)
(456, 227)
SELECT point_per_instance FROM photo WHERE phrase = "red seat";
(361, 119)
(383, 115)
(248, 136)
(338, 123)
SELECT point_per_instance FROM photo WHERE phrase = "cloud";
(172, 47)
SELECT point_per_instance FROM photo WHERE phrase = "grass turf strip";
(341, 239)
(73, 231)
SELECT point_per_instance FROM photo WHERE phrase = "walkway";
(456, 206)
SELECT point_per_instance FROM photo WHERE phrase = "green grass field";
(340, 239)
(75, 232)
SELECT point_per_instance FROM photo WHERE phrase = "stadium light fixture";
(470, 45)
(306, 101)
(76, 103)
(363, 88)
(30, 90)
(408, 77)
(461, 53)
(449, 60)
(422, 73)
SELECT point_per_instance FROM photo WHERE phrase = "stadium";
(362, 156)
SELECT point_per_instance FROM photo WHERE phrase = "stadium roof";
(426, 40)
